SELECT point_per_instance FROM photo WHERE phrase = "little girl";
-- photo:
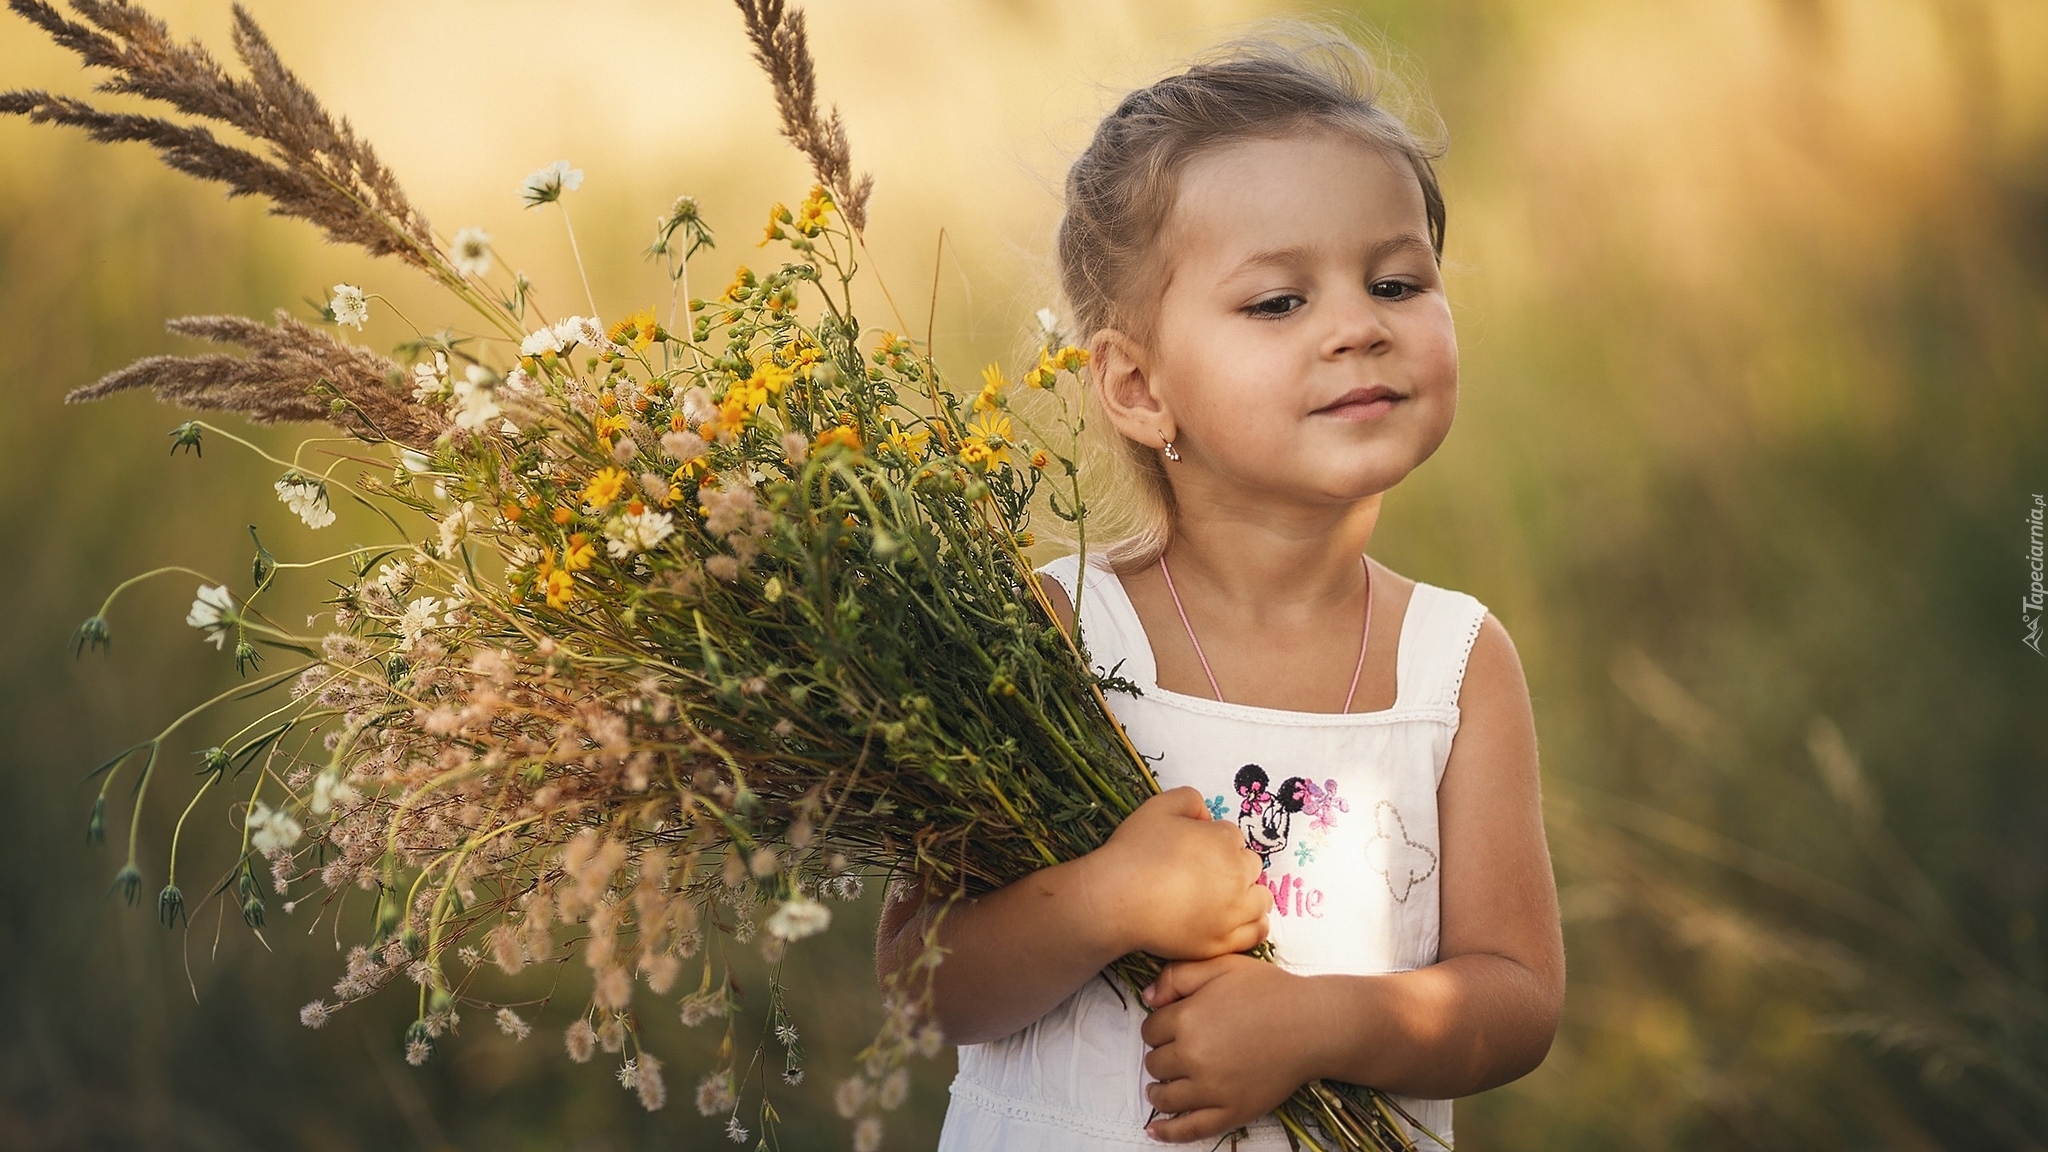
(1348, 755)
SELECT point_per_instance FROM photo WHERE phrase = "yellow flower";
(563, 514)
(1051, 364)
(611, 425)
(800, 352)
(987, 442)
(1040, 459)
(604, 487)
(810, 215)
(742, 283)
(578, 553)
(992, 385)
(639, 330)
(560, 587)
(891, 350)
(777, 217)
(841, 435)
(910, 444)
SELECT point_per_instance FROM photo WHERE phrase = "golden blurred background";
(1754, 305)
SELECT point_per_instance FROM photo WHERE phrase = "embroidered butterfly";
(1393, 855)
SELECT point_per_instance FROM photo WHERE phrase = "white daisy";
(429, 381)
(307, 497)
(349, 306)
(637, 532)
(418, 618)
(476, 402)
(472, 252)
(213, 613)
(455, 526)
(540, 342)
(582, 330)
(547, 184)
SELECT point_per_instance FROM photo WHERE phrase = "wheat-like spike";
(295, 372)
(784, 52)
(317, 171)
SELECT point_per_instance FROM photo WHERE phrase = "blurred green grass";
(1754, 309)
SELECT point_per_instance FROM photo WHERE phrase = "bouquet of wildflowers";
(684, 622)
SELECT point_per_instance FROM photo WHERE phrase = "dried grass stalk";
(296, 372)
(784, 52)
(318, 170)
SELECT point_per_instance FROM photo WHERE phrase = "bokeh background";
(1753, 297)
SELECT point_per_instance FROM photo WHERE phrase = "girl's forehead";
(1309, 189)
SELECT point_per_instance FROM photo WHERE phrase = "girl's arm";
(1170, 881)
(1232, 1037)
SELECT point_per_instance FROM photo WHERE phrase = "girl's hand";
(1226, 1044)
(1174, 882)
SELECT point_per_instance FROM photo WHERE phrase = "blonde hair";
(1295, 78)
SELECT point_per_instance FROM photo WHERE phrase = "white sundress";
(1343, 808)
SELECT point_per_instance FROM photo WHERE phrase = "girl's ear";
(1124, 381)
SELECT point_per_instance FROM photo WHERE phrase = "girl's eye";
(1277, 305)
(1393, 290)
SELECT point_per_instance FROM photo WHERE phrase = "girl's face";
(1303, 349)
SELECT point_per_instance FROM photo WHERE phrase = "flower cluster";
(672, 629)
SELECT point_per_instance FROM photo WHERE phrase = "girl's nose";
(1357, 325)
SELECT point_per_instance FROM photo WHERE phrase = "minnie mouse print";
(1266, 815)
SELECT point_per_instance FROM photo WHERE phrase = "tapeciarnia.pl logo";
(2037, 596)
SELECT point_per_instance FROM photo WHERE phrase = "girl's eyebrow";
(1294, 254)
(1405, 242)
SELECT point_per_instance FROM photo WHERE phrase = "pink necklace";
(1364, 635)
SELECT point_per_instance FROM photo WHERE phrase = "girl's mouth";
(1361, 404)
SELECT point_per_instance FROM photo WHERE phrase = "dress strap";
(1111, 633)
(1436, 641)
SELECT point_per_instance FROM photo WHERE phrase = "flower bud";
(170, 905)
(186, 435)
(128, 882)
(94, 633)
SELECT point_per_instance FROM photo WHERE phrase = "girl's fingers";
(1158, 1029)
(1181, 979)
(1175, 1096)
(1164, 1063)
(1197, 1125)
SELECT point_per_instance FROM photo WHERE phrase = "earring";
(1171, 454)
